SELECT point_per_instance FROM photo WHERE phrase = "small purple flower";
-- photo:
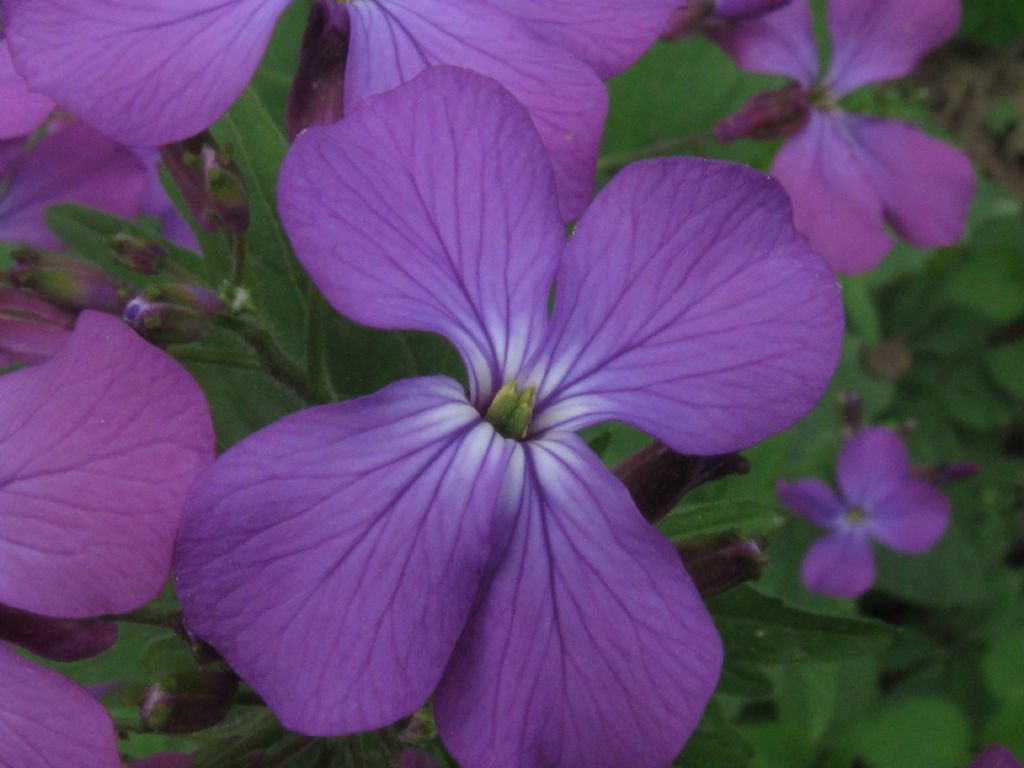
(996, 756)
(352, 559)
(158, 71)
(879, 498)
(849, 175)
(98, 447)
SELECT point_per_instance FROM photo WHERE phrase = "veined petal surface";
(394, 40)
(688, 306)
(98, 448)
(433, 208)
(22, 111)
(590, 646)
(334, 556)
(144, 72)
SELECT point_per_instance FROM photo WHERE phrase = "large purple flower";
(154, 71)
(98, 447)
(849, 175)
(879, 498)
(351, 559)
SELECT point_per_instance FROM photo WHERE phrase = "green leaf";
(1006, 367)
(716, 743)
(745, 517)
(765, 630)
(1003, 666)
(924, 732)
(743, 679)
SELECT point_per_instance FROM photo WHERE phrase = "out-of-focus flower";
(880, 498)
(996, 756)
(697, 15)
(849, 175)
(160, 71)
(420, 539)
(98, 447)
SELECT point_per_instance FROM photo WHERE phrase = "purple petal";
(74, 165)
(146, 72)
(996, 756)
(871, 465)
(22, 111)
(925, 185)
(840, 564)
(813, 500)
(911, 519)
(31, 329)
(738, 10)
(835, 203)
(591, 646)
(688, 306)
(607, 34)
(57, 639)
(155, 203)
(393, 42)
(98, 447)
(333, 557)
(432, 208)
(781, 43)
(47, 720)
(875, 40)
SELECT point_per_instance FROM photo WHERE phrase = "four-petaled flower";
(352, 559)
(98, 447)
(879, 498)
(849, 175)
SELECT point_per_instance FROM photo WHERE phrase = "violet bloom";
(352, 559)
(98, 447)
(996, 756)
(849, 175)
(879, 499)
(156, 71)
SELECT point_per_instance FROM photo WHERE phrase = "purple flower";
(996, 756)
(98, 447)
(351, 559)
(849, 175)
(879, 498)
(158, 71)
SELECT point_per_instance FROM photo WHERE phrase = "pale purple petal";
(144, 72)
(98, 447)
(813, 500)
(688, 306)
(57, 639)
(22, 110)
(31, 329)
(432, 208)
(875, 40)
(333, 557)
(835, 203)
(591, 646)
(912, 518)
(74, 165)
(392, 42)
(925, 185)
(840, 564)
(996, 756)
(607, 34)
(47, 721)
(872, 465)
(738, 10)
(781, 43)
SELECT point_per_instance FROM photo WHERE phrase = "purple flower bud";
(138, 253)
(781, 112)
(317, 96)
(188, 702)
(947, 472)
(211, 184)
(175, 313)
(689, 19)
(851, 411)
(31, 329)
(69, 283)
(657, 477)
(996, 756)
(56, 639)
(721, 563)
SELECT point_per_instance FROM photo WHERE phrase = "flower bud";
(721, 563)
(689, 19)
(31, 329)
(188, 702)
(658, 478)
(889, 359)
(851, 412)
(66, 282)
(947, 472)
(317, 96)
(138, 253)
(56, 639)
(211, 184)
(769, 115)
(175, 313)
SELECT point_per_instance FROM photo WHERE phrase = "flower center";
(856, 515)
(511, 410)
